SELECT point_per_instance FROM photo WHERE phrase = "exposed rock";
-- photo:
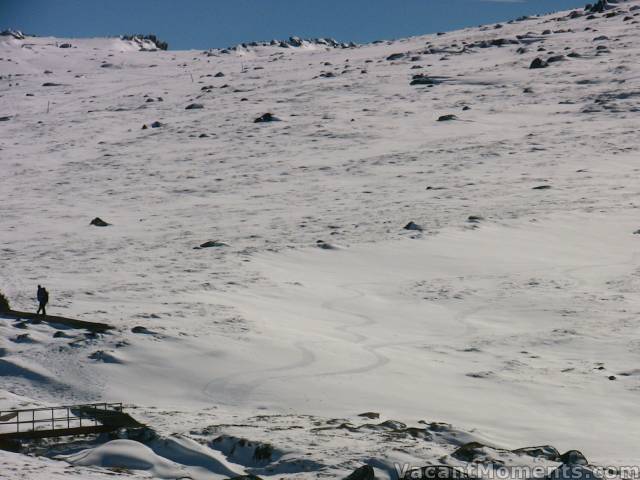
(219, 75)
(51, 84)
(542, 187)
(395, 56)
(4, 119)
(573, 457)
(267, 117)
(422, 79)
(156, 124)
(364, 472)
(142, 330)
(496, 42)
(23, 338)
(66, 45)
(468, 452)
(194, 106)
(325, 245)
(98, 222)
(598, 7)
(475, 218)
(538, 63)
(61, 334)
(104, 357)
(370, 415)
(211, 244)
(17, 34)
(413, 226)
(295, 41)
(448, 117)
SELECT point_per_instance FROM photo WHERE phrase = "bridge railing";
(57, 418)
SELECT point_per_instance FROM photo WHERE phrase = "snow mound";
(165, 458)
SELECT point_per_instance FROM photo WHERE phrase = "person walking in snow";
(43, 299)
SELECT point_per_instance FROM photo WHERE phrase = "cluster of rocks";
(496, 42)
(17, 34)
(599, 7)
(291, 42)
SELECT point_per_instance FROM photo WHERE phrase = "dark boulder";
(447, 118)
(98, 222)
(364, 472)
(295, 41)
(325, 245)
(267, 117)
(140, 329)
(538, 63)
(212, 243)
(468, 452)
(422, 79)
(573, 457)
(370, 415)
(194, 106)
(413, 226)
(395, 56)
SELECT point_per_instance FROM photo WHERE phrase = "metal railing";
(56, 418)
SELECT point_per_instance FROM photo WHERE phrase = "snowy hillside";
(428, 229)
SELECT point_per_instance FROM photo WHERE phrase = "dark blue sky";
(202, 24)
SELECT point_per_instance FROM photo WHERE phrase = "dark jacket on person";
(43, 295)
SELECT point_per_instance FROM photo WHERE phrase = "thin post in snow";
(191, 74)
(48, 103)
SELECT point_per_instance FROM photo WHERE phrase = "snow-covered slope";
(508, 311)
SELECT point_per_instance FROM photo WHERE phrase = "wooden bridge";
(52, 319)
(62, 421)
